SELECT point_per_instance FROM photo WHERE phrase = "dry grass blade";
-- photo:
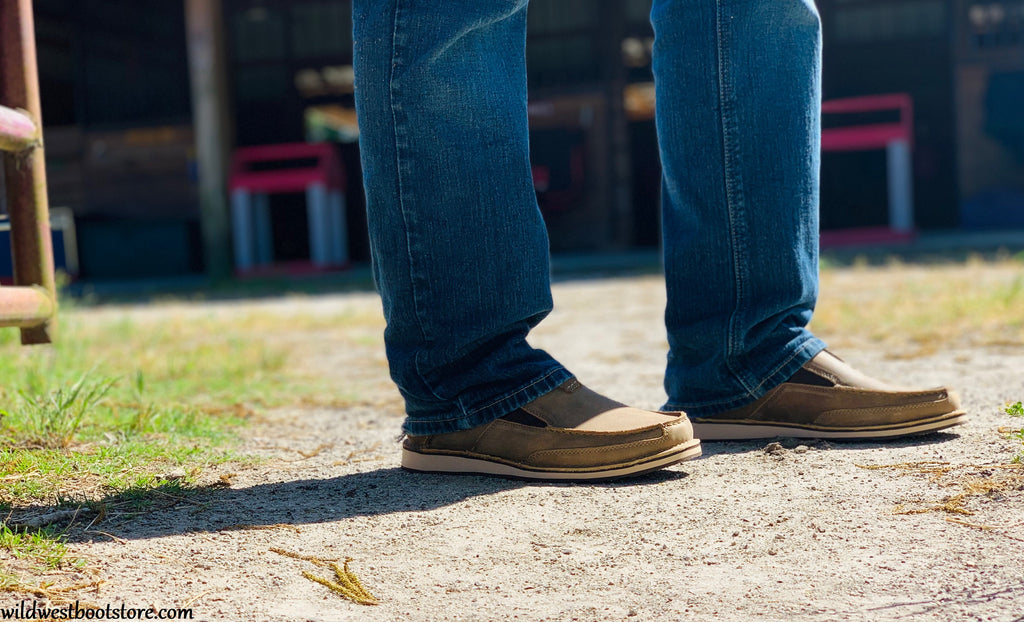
(976, 480)
(305, 558)
(347, 584)
(950, 519)
(951, 505)
(57, 595)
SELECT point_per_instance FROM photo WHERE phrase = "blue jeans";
(460, 252)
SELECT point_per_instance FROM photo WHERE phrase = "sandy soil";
(750, 531)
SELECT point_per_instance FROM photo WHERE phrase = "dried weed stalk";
(347, 584)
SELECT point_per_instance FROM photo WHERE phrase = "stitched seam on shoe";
(881, 409)
(589, 450)
(772, 397)
(598, 433)
(487, 431)
(863, 391)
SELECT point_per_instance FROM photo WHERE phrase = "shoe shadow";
(309, 501)
(713, 448)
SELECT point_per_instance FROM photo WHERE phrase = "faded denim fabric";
(738, 86)
(459, 248)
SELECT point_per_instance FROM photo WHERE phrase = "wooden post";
(204, 23)
(620, 161)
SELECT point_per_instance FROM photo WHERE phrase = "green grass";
(1017, 410)
(920, 309)
(45, 548)
(97, 419)
(53, 419)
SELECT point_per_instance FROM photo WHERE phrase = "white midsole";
(458, 464)
(741, 431)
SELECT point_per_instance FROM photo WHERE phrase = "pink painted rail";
(896, 138)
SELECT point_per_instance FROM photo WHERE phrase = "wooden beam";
(204, 24)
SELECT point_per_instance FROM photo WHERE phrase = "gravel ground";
(752, 530)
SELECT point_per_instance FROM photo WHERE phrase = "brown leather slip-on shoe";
(570, 433)
(829, 399)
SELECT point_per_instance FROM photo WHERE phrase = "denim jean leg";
(738, 116)
(459, 248)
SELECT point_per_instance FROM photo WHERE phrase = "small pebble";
(801, 449)
(174, 475)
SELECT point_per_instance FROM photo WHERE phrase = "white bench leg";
(339, 232)
(901, 186)
(264, 233)
(319, 225)
(242, 229)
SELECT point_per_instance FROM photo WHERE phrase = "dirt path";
(744, 533)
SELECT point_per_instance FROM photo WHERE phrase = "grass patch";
(34, 553)
(134, 393)
(44, 547)
(1016, 410)
(52, 419)
(972, 482)
(916, 310)
(126, 410)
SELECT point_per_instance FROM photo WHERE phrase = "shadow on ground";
(310, 501)
(713, 448)
(176, 509)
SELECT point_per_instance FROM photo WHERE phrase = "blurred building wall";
(120, 146)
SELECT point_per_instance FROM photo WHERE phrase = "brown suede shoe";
(829, 399)
(570, 433)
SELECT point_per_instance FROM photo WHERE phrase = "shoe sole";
(442, 463)
(713, 431)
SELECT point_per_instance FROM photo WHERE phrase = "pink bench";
(258, 172)
(897, 139)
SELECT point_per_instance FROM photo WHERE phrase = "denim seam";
(401, 161)
(733, 186)
(405, 196)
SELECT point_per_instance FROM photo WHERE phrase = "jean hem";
(804, 352)
(494, 409)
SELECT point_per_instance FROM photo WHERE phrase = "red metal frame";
(327, 170)
(32, 303)
(870, 135)
(286, 168)
(863, 137)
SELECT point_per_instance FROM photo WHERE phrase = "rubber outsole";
(442, 463)
(714, 431)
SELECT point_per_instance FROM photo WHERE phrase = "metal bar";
(17, 131)
(25, 307)
(25, 173)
